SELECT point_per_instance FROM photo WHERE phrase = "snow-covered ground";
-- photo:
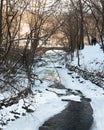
(92, 59)
(46, 103)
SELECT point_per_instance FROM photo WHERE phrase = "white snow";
(91, 58)
(47, 103)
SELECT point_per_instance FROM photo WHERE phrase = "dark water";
(77, 116)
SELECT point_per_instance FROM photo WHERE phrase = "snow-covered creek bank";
(48, 103)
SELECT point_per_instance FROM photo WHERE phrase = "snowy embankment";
(91, 59)
(47, 103)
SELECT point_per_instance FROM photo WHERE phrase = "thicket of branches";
(72, 20)
(83, 20)
(15, 59)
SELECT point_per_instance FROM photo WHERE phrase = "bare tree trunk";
(1, 8)
(77, 40)
(87, 33)
(81, 39)
(102, 31)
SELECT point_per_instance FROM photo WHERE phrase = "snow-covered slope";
(91, 58)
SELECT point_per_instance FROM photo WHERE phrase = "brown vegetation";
(67, 24)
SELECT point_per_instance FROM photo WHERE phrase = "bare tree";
(10, 62)
(81, 37)
(1, 27)
(97, 11)
(39, 14)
